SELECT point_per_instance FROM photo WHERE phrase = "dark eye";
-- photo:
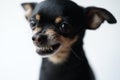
(33, 23)
(64, 27)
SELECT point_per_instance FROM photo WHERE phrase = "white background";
(19, 61)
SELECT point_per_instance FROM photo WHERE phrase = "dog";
(58, 28)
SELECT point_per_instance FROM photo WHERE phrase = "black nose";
(39, 37)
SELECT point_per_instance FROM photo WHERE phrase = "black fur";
(76, 67)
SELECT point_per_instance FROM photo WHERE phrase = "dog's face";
(57, 25)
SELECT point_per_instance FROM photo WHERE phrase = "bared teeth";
(46, 48)
(51, 48)
(40, 48)
(43, 48)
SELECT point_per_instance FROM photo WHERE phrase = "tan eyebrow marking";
(37, 17)
(58, 19)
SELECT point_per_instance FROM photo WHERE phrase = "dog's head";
(58, 24)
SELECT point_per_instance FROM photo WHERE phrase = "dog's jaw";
(60, 52)
(61, 55)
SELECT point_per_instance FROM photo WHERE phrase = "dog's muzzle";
(45, 44)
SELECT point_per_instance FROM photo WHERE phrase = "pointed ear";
(94, 17)
(28, 7)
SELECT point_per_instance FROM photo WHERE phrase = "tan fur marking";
(63, 53)
(58, 19)
(37, 17)
(50, 32)
(36, 30)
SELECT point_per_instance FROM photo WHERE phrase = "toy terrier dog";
(58, 29)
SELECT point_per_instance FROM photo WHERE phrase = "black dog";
(59, 27)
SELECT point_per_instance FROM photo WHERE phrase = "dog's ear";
(28, 7)
(94, 17)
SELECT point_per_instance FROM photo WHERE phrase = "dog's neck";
(75, 68)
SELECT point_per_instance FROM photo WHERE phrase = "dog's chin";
(46, 51)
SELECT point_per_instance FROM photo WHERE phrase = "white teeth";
(51, 48)
(45, 48)
(40, 48)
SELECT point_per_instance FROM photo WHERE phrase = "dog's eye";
(64, 27)
(32, 23)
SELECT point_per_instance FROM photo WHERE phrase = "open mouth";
(47, 50)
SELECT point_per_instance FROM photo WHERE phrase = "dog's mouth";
(47, 49)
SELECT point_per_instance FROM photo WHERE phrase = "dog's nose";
(39, 38)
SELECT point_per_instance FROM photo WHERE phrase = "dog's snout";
(39, 38)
